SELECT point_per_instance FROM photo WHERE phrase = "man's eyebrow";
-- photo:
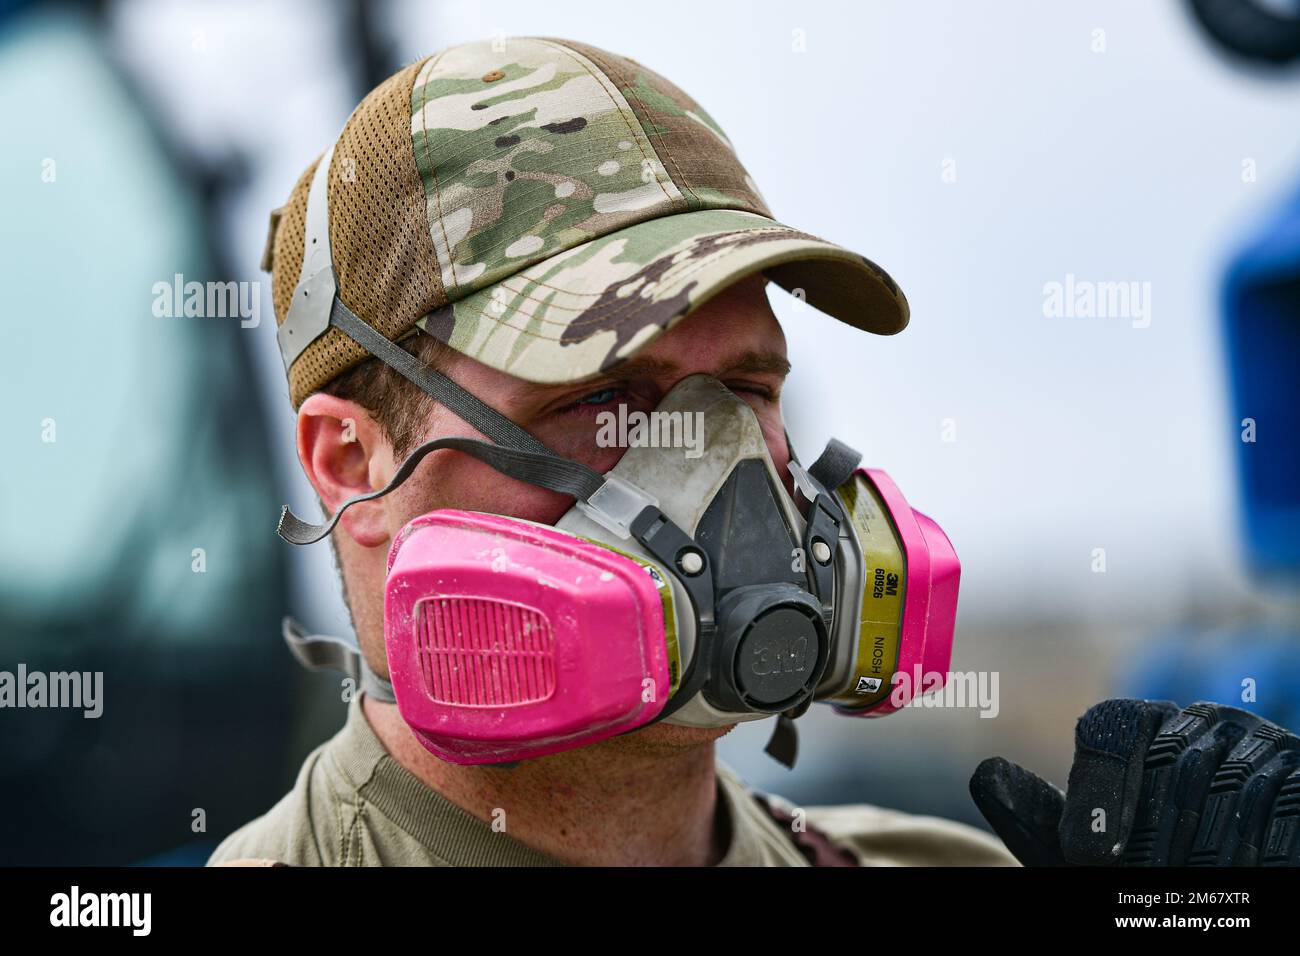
(638, 366)
(759, 363)
(753, 363)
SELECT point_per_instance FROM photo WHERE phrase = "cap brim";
(594, 305)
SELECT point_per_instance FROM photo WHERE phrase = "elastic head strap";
(544, 470)
(326, 652)
(468, 407)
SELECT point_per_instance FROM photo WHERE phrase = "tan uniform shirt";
(354, 805)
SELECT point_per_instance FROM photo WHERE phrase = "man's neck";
(597, 806)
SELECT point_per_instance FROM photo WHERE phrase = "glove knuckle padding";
(1207, 785)
(1210, 782)
(1235, 821)
(1282, 836)
(1179, 769)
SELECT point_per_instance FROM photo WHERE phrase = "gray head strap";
(319, 652)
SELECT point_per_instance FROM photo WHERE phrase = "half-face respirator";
(689, 588)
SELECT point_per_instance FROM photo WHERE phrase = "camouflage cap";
(548, 209)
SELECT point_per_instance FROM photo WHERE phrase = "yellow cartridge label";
(881, 617)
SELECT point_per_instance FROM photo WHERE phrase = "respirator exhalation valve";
(771, 652)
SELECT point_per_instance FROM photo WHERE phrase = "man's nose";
(771, 422)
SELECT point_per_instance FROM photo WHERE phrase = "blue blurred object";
(1261, 309)
(1212, 665)
(1261, 313)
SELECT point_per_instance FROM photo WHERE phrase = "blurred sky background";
(178, 126)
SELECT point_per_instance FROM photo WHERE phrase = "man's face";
(733, 337)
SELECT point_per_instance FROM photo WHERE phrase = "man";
(653, 797)
(553, 232)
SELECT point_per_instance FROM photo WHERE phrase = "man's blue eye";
(599, 398)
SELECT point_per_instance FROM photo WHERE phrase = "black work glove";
(1151, 785)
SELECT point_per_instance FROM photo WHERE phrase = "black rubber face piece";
(776, 656)
(744, 532)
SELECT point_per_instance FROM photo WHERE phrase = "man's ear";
(345, 453)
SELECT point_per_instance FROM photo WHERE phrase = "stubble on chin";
(663, 740)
